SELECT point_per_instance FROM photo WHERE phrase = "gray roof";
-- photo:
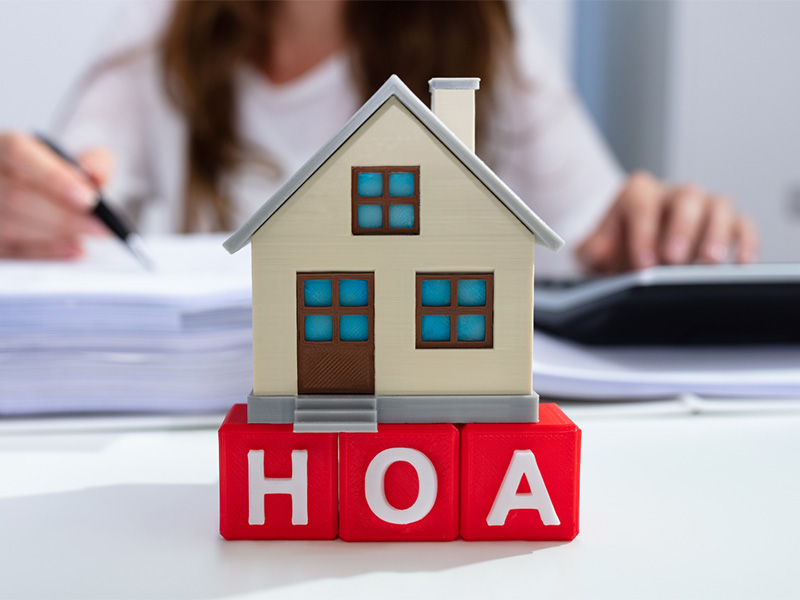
(394, 86)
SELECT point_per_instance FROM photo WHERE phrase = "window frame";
(454, 310)
(385, 201)
(335, 310)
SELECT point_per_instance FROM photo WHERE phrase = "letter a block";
(274, 483)
(399, 484)
(521, 481)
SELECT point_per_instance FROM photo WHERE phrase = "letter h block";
(400, 484)
(521, 481)
(276, 484)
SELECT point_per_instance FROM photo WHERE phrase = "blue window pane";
(471, 328)
(370, 216)
(317, 292)
(401, 216)
(370, 185)
(435, 328)
(353, 292)
(319, 328)
(435, 292)
(353, 328)
(471, 292)
(401, 184)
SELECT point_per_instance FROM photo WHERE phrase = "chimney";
(453, 101)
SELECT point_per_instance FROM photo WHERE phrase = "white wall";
(621, 67)
(736, 110)
(706, 92)
(43, 47)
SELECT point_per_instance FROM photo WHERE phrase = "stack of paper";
(105, 335)
(568, 370)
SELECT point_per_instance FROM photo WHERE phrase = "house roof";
(394, 87)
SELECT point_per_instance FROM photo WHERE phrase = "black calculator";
(675, 305)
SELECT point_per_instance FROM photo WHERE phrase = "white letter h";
(296, 486)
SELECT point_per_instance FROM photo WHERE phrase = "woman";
(231, 98)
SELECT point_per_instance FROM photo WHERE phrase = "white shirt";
(540, 141)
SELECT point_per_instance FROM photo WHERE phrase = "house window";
(385, 200)
(334, 307)
(454, 310)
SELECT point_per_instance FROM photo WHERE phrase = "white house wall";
(463, 228)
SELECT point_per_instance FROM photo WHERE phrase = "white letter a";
(523, 463)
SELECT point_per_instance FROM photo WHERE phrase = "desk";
(672, 506)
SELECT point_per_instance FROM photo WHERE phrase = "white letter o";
(375, 490)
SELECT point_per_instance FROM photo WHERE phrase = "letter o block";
(399, 484)
(276, 484)
(521, 481)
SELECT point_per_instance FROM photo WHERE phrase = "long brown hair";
(206, 40)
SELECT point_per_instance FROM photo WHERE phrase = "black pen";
(102, 211)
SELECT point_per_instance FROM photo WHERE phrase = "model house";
(393, 276)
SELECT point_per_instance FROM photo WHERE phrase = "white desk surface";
(671, 507)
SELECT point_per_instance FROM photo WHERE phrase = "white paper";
(569, 370)
(105, 335)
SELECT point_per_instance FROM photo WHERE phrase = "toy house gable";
(394, 87)
(393, 273)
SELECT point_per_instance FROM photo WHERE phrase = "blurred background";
(707, 91)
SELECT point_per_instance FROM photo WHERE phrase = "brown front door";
(335, 333)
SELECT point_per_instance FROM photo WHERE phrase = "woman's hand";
(45, 203)
(652, 224)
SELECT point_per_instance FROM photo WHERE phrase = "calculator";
(675, 305)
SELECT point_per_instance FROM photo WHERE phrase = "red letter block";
(399, 484)
(275, 484)
(521, 481)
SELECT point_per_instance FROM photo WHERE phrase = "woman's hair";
(206, 40)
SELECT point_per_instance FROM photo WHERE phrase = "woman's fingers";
(45, 203)
(641, 204)
(50, 249)
(718, 236)
(650, 224)
(98, 164)
(601, 250)
(748, 242)
(26, 213)
(33, 227)
(31, 164)
(684, 216)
